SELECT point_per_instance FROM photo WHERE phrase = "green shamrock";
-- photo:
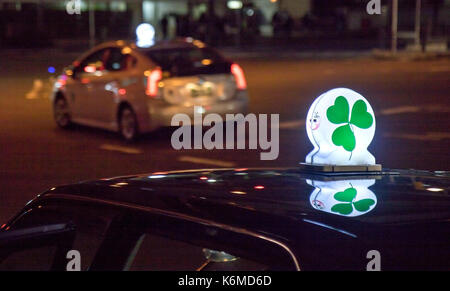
(339, 113)
(347, 196)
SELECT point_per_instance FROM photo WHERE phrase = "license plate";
(201, 92)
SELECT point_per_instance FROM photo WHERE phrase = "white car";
(121, 87)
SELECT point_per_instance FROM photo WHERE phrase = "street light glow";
(234, 4)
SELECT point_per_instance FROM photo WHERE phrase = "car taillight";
(238, 74)
(152, 82)
(90, 69)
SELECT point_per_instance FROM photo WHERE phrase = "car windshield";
(189, 61)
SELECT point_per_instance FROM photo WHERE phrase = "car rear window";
(189, 61)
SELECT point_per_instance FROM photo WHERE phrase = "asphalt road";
(411, 101)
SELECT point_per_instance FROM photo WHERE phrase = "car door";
(39, 248)
(111, 85)
(146, 242)
(87, 83)
(43, 243)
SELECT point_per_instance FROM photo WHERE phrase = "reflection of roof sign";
(346, 198)
(340, 125)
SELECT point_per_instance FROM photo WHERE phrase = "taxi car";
(123, 87)
(234, 219)
(337, 211)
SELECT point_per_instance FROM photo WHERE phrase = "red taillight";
(61, 82)
(152, 82)
(90, 69)
(238, 74)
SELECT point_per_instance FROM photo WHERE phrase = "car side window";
(157, 253)
(37, 259)
(90, 228)
(96, 62)
(158, 242)
(119, 61)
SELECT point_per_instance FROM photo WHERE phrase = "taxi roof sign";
(145, 34)
(341, 125)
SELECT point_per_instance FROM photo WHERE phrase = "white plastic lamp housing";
(348, 198)
(340, 125)
(145, 34)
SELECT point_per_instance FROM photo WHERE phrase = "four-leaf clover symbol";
(347, 196)
(339, 113)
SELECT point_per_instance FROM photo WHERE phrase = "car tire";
(61, 113)
(128, 124)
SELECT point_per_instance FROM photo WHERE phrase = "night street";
(409, 98)
(230, 141)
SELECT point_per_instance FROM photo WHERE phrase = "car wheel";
(61, 113)
(128, 125)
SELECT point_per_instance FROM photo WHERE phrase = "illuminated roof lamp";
(145, 34)
(341, 125)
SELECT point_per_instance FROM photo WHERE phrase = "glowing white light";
(346, 197)
(234, 4)
(435, 189)
(199, 109)
(156, 176)
(145, 34)
(340, 125)
(238, 192)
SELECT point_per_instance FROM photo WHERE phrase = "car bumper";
(161, 113)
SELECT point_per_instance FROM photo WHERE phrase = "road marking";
(439, 69)
(293, 124)
(413, 109)
(399, 110)
(126, 150)
(429, 136)
(437, 108)
(37, 87)
(204, 161)
(40, 89)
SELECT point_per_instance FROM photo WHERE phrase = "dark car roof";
(405, 200)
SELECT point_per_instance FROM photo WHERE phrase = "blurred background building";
(308, 24)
